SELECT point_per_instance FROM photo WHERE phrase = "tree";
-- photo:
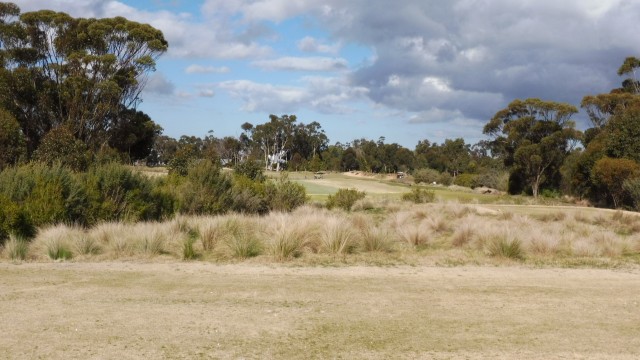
(60, 146)
(79, 72)
(275, 139)
(612, 174)
(134, 133)
(12, 143)
(533, 137)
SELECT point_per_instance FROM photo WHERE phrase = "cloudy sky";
(404, 69)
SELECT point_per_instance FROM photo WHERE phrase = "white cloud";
(199, 69)
(208, 93)
(303, 64)
(310, 44)
(326, 95)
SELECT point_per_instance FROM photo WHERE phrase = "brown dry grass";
(435, 234)
(177, 310)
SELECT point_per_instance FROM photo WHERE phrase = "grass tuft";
(16, 248)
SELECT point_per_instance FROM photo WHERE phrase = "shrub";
(117, 193)
(285, 195)
(419, 196)
(427, 176)
(249, 196)
(205, 190)
(632, 187)
(14, 220)
(249, 169)
(344, 199)
(445, 179)
(48, 194)
(466, 180)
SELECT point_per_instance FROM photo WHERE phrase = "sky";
(408, 70)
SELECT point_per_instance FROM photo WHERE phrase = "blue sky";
(406, 69)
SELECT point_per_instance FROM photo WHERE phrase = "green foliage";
(14, 220)
(60, 146)
(612, 174)
(426, 176)
(249, 169)
(533, 137)
(632, 187)
(345, 199)
(117, 193)
(419, 196)
(13, 147)
(249, 196)
(466, 180)
(205, 190)
(284, 194)
(81, 74)
(47, 194)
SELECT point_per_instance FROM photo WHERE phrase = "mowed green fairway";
(200, 310)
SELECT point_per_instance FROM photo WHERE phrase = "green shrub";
(445, 179)
(205, 190)
(427, 176)
(249, 169)
(117, 193)
(14, 220)
(249, 196)
(419, 196)
(285, 195)
(632, 187)
(466, 180)
(47, 194)
(344, 199)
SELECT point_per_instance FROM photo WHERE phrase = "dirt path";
(202, 310)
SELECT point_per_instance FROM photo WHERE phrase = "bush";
(117, 193)
(285, 195)
(427, 176)
(14, 220)
(249, 169)
(419, 196)
(344, 199)
(205, 190)
(46, 194)
(445, 179)
(466, 180)
(632, 187)
(249, 196)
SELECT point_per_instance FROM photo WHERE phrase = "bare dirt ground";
(201, 310)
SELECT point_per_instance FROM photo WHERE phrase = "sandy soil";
(201, 310)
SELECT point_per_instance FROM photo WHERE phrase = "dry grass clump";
(373, 238)
(463, 235)
(505, 245)
(57, 242)
(240, 238)
(337, 236)
(16, 248)
(287, 236)
(550, 216)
